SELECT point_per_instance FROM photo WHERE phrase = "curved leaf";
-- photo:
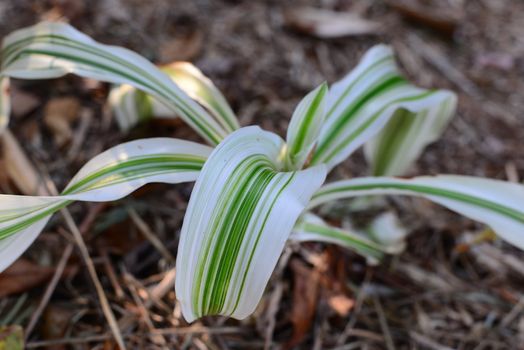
(240, 214)
(111, 175)
(199, 87)
(131, 105)
(51, 50)
(312, 228)
(406, 135)
(305, 126)
(361, 104)
(497, 204)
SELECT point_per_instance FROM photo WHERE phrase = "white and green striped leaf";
(405, 136)
(312, 228)
(132, 106)
(240, 214)
(305, 126)
(111, 175)
(199, 87)
(362, 103)
(387, 231)
(51, 50)
(497, 204)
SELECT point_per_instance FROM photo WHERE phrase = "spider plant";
(254, 190)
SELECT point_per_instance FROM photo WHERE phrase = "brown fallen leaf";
(18, 167)
(22, 103)
(341, 304)
(328, 24)
(305, 297)
(11, 338)
(23, 275)
(443, 19)
(59, 114)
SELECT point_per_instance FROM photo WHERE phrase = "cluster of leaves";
(254, 190)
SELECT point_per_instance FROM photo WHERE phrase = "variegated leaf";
(312, 228)
(51, 50)
(131, 105)
(199, 87)
(361, 104)
(111, 175)
(240, 214)
(406, 135)
(497, 204)
(305, 126)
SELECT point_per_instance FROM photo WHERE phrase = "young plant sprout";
(254, 190)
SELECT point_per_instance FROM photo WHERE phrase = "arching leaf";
(111, 175)
(497, 204)
(51, 50)
(305, 126)
(362, 103)
(240, 214)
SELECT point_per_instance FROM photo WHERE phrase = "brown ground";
(437, 295)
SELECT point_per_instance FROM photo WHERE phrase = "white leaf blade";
(361, 104)
(387, 230)
(51, 50)
(305, 125)
(497, 204)
(109, 176)
(131, 105)
(239, 217)
(405, 136)
(311, 228)
(199, 87)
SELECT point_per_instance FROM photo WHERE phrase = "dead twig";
(150, 235)
(426, 342)
(384, 324)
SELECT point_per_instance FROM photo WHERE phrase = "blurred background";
(442, 293)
